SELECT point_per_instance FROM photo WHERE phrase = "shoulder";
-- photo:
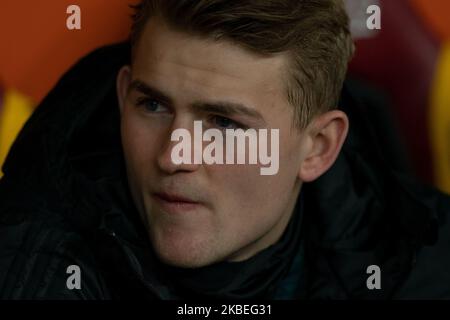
(430, 276)
(38, 247)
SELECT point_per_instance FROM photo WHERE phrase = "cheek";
(139, 143)
(248, 200)
(291, 153)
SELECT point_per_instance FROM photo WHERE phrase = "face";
(198, 214)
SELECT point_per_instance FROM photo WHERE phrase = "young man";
(106, 200)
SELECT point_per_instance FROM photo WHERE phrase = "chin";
(184, 252)
(187, 262)
(184, 259)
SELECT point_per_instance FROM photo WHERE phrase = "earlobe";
(327, 135)
(122, 84)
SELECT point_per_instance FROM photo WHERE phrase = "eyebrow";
(224, 108)
(228, 109)
(144, 88)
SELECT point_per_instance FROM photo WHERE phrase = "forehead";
(168, 55)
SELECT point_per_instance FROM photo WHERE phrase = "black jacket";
(64, 201)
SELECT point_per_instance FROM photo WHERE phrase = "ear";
(326, 135)
(122, 85)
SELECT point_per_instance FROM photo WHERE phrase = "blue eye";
(151, 105)
(225, 123)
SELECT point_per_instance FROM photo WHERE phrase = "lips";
(175, 203)
(174, 198)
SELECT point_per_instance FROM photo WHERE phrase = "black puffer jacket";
(64, 201)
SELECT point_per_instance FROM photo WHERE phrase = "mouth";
(175, 203)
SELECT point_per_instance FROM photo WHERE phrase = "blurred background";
(404, 66)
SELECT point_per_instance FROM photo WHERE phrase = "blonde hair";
(313, 33)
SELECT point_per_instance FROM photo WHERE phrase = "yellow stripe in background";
(15, 111)
(440, 121)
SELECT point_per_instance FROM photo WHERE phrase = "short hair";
(314, 34)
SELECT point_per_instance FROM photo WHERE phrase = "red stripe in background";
(435, 14)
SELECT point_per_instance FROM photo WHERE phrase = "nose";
(165, 159)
